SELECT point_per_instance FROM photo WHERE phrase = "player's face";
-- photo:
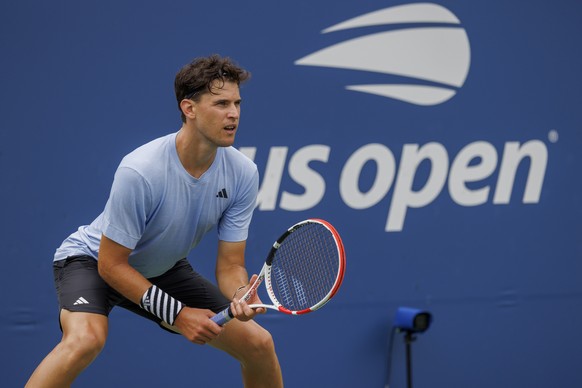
(218, 114)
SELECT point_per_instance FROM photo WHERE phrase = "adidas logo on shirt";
(81, 300)
(222, 194)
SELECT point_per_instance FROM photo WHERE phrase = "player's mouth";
(230, 128)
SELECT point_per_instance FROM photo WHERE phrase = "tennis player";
(166, 195)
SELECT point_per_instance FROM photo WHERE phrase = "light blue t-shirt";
(157, 209)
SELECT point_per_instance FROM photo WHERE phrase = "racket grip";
(222, 317)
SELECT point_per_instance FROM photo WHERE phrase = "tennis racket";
(303, 270)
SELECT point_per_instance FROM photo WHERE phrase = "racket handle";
(223, 317)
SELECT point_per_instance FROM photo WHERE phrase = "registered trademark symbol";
(553, 136)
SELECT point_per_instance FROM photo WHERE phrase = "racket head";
(305, 267)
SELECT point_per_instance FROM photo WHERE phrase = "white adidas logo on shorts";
(81, 300)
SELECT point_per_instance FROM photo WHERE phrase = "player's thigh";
(244, 339)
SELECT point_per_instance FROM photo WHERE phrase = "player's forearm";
(114, 268)
(131, 284)
(230, 267)
(124, 279)
(231, 278)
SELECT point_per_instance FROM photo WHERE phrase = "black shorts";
(81, 289)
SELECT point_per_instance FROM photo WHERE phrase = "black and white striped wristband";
(160, 304)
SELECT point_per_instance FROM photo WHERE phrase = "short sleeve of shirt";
(125, 214)
(235, 222)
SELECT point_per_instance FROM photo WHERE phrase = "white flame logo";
(437, 54)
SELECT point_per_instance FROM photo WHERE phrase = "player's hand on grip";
(241, 310)
(195, 325)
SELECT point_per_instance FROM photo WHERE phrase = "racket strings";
(305, 267)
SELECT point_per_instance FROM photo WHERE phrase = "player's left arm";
(233, 279)
(231, 272)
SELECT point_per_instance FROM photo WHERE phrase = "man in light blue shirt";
(165, 196)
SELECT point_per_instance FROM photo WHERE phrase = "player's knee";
(86, 345)
(260, 345)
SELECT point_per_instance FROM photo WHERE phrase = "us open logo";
(428, 48)
(425, 52)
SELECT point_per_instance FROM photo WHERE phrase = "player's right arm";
(115, 269)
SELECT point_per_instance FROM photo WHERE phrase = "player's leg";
(248, 342)
(254, 348)
(84, 336)
(85, 301)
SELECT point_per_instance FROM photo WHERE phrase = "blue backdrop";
(441, 139)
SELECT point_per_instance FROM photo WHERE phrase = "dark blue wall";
(497, 262)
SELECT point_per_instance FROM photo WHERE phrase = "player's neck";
(195, 154)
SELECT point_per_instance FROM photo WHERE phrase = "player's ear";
(188, 108)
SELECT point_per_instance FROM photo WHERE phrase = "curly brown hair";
(196, 78)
